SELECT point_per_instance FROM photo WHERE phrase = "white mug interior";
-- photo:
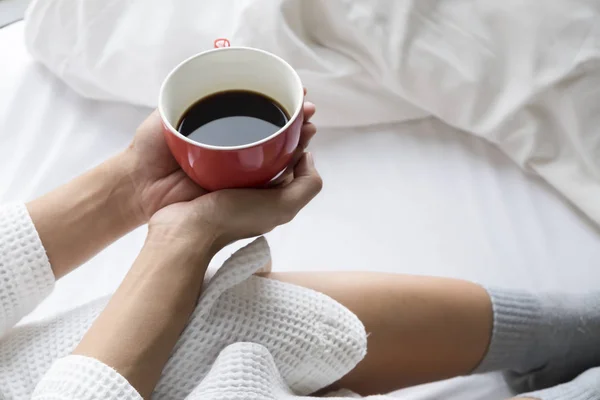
(232, 68)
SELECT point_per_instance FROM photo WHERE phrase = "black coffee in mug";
(232, 118)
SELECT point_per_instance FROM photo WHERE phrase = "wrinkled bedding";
(525, 76)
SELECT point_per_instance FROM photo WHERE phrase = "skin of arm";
(141, 324)
(82, 217)
(137, 331)
(90, 212)
(147, 314)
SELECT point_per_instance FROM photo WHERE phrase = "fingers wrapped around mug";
(236, 214)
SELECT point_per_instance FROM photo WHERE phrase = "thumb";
(305, 166)
(306, 185)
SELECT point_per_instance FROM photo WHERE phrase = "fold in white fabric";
(523, 75)
(312, 340)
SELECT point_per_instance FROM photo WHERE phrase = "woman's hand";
(234, 214)
(140, 325)
(158, 179)
(87, 214)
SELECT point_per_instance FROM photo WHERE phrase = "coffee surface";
(232, 118)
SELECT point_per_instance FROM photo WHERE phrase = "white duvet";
(524, 75)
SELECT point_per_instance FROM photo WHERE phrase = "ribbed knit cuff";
(585, 387)
(516, 322)
(26, 277)
(83, 378)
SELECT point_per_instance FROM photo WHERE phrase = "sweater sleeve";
(26, 277)
(83, 378)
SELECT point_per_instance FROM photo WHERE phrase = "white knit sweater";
(249, 337)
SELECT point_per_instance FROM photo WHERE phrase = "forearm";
(421, 329)
(137, 331)
(80, 218)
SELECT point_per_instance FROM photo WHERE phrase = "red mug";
(232, 68)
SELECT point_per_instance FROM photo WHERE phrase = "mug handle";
(221, 42)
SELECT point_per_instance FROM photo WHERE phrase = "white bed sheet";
(417, 198)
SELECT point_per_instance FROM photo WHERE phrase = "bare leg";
(421, 329)
(424, 329)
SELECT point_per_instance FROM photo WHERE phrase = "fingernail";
(310, 159)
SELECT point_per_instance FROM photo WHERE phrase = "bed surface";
(416, 198)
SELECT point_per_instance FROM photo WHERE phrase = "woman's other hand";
(82, 217)
(141, 324)
(157, 178)
(234, 214)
